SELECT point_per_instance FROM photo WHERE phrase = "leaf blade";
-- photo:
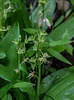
(4, 89)
(58, 55)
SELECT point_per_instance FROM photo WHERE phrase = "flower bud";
(48, 23)
(40, 21)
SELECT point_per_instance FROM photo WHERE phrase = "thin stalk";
(2, 33)
(19, 74)
(18, 59)
(39, 80)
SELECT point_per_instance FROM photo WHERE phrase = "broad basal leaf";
(9, 48)
(61, 87)
(7, 74)
(4, 89)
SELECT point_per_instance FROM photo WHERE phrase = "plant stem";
(39, 79)
(2, 33)
(18, 59)
(19, 74)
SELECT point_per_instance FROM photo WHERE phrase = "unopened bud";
(40, 21)
(48, 23)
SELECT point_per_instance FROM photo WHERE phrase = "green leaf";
(19, 95)
(30, 52)
(33, 65)
(9, 97)
(31, 92)
(57, 33)
(58, 21)
(66, 35)
(4, 89)
(52, 70)
(26, 16)
(68, 13)
(5, 74)
(44, 45)
(60, 48)
(9, 48)
(59, 42)
(23, 67)
(72, 1)
(61, 87)
(69, 49)
(4, 97)
(23, 84)
(58, 55)
(2, 55)
(20, 9)
(30, 30)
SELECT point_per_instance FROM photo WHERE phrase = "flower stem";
(39, 79)
(19, 74)
(1, 23)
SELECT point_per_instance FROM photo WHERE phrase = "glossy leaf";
(23, 84)
(62, 86)
(9, 48)
(6, 74)
(4, 89)
(58, 55)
